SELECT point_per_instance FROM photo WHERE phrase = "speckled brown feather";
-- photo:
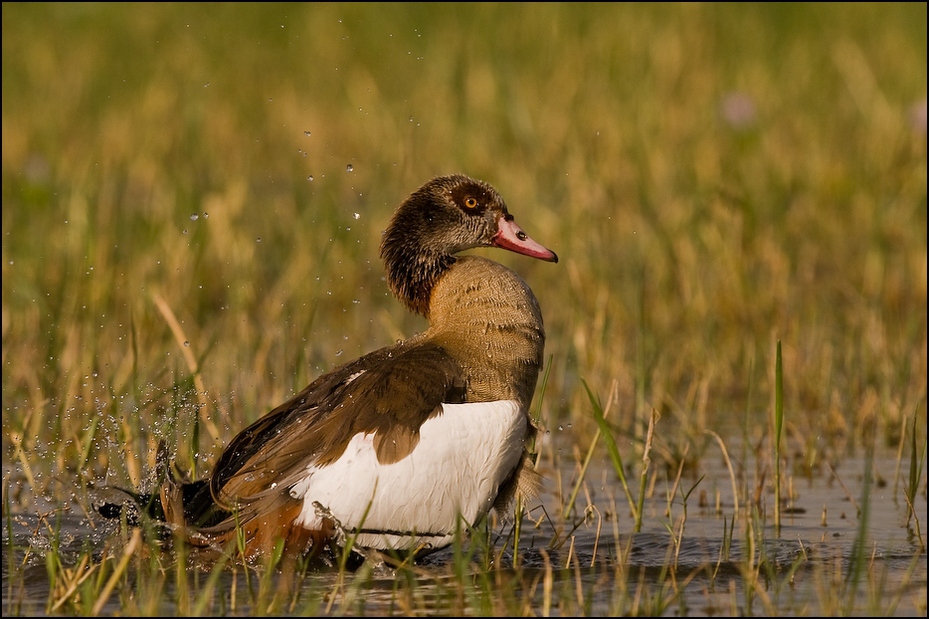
(497, 337)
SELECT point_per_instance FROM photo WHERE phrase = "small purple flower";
(738, 110)
(918, 116)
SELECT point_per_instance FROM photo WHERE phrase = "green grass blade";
(778, 427)
(613, 450)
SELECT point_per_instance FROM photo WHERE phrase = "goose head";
(447, 215)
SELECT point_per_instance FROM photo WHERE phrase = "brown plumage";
(484, 345)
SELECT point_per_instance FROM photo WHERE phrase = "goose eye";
(470, 203)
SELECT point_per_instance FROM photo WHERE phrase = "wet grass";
(192, 202)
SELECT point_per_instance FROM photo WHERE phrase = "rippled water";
(804, 569)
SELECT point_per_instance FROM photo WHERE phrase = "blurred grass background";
(714, 178)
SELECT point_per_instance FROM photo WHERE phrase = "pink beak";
(510, 236)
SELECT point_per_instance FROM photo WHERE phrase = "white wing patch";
(463, 456)
(354, 376)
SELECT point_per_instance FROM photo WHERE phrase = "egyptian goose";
(410, 443)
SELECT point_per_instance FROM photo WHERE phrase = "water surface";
(698, 556)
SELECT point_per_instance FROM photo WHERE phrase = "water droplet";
(186, 343)
(338, 353)
(194, 217)
(349, 168)
(258, 240)
(310, 178)
(356, 215)
(307, 133)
